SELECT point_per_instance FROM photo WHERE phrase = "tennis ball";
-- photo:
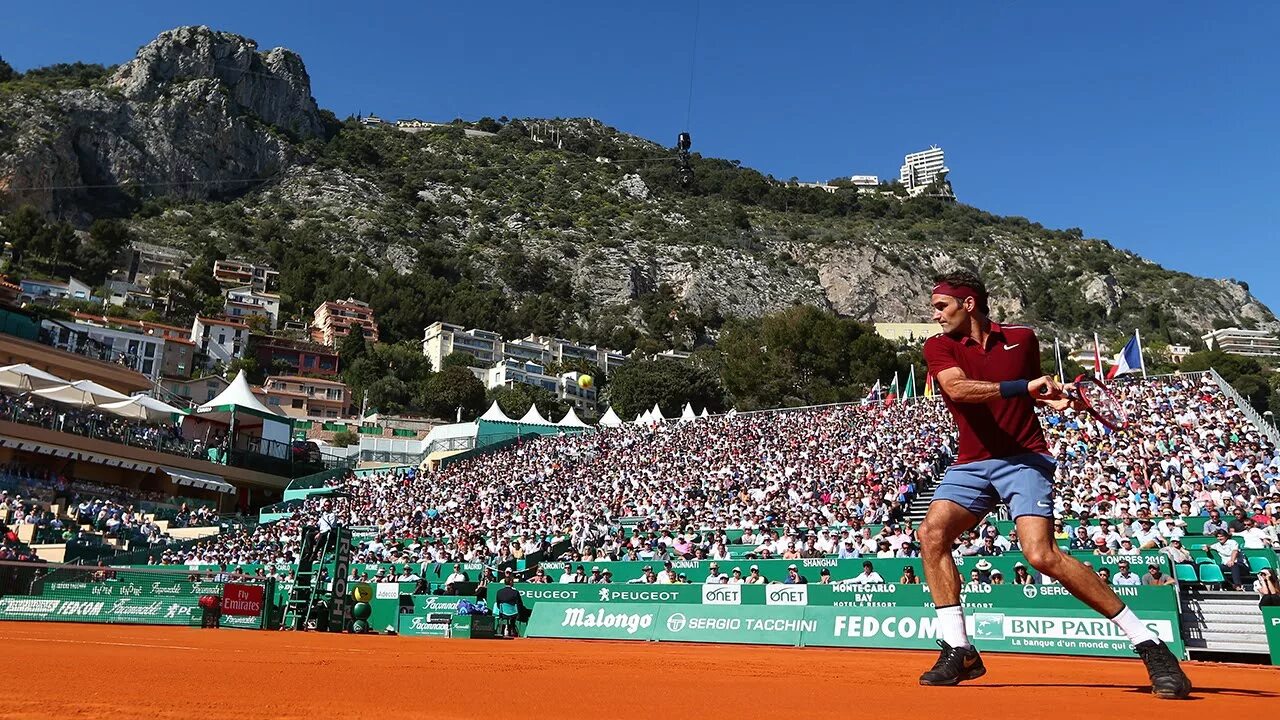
(361, 611)
(362, 592)
(585, 382)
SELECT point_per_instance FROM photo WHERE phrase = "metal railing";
(1249, 411)
(160, 438)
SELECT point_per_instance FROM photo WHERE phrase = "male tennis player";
(991, 380)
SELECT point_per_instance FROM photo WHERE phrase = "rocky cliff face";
(206, 117)
(197, 114)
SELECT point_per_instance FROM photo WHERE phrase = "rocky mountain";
(550, 226)
(196, 114)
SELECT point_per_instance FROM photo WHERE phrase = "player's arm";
(961, 389)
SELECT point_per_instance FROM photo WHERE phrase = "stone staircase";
(1218, 621)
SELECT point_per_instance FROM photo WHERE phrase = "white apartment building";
(220, 340)
(442, 339)
(565, 386)
(1238, 341)
(138, 352)
(240, 272)
(244, 302)
(920, 169)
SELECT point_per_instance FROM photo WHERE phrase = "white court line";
(98, 642)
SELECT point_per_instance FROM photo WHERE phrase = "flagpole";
(1141, 360)
(913, 379)
(1097, 356)
(1057, 351)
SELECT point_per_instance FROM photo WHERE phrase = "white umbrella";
(81, 393)
(142, 407)
(25, 377)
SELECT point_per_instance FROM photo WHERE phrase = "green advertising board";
(1057, 631)
(841, 594)
(137, 600)
(1271, 619)
(1021, 630)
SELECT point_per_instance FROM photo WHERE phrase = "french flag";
(1129, 360)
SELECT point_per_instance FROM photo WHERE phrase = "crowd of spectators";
(802, 484)
(29, 495)
(30, 409)
(771, 473)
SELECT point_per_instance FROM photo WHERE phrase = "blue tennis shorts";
(1024, 482)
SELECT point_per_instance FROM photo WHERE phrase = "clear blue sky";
(1151, 124)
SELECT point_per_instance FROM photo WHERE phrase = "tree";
(460, 359)
(7, 72)
(97, 256)
(351, 348)
(22, 229)
(345, 438)
(453, 387)
(1255, 390)
(638, 386)
(249, 364)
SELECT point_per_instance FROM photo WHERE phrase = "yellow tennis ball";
(362, 593)
(585, 382)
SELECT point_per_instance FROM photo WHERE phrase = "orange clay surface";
(119, 671)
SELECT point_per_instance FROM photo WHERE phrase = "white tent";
(572, 420)
(655, 415)
(25, 377)
(642, 418)
(239, 395)
(143, 407)
(237, 408)
(81, 393)
(610, 419)
(533, 417)
(706, 412)
(688, 413)
(495, 414)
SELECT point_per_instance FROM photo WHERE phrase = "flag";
(1097, 356)
(893, 391)
(874, 395)
(928, 385)
(1129, 360)
(910, 392)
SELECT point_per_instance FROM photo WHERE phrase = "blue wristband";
(1013, 388)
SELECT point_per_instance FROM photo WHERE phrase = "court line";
(97, 642)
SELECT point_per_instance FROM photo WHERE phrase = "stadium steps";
(1218, 621)
(919, 506)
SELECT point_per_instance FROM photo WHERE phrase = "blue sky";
(1150, 124)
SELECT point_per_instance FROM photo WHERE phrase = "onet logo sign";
(721, 594)
(787, 595)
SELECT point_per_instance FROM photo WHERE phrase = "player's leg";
(962, 498)
(1028, 490)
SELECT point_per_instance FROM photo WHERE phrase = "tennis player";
(991, 381)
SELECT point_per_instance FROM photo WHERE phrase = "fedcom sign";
(786, 595)
(721, 594)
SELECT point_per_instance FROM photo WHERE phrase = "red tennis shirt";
(1001, 427)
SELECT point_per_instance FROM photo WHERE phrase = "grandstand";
(737, 499)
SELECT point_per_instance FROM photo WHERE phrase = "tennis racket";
(1101, 403)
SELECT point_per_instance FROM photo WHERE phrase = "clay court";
(68, 670)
